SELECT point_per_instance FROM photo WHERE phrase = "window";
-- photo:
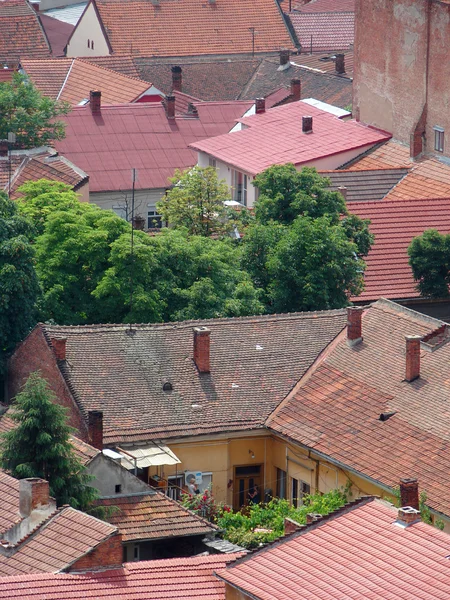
(439, 139)
(281, 483)
(175, 486)
(136, 552)
(212, 162)
(154, 220)
(299, 489)
(92, 45)
(89, 43)
(239, 183)
(118, 489)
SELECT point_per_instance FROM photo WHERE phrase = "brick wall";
(107, 554)
(34, 354)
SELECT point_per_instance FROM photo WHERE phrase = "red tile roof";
(140, 136)
(85, 452)
(154, 516)
(57, 544)
(336, 410)
(325, 31)
(326, 6)
(121, 64)
(193, 27)
(275, 137)
(57, 33)
(21, 32)
(255, 361)
(181, 578)
(360, 554)
(9, 501)
(324, 63)
(394, 224)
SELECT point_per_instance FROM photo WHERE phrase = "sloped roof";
(60, 541)
(123, 137)
(182, 578)
(193, 27)
(358, 553)
(322, 32)
(336, 410)
(365, 185)
(9, 504)
(324, 63)
(57, 33)
(85, 452)
(326, 6)
(276, 137)
(255, 361)
(121, 64)
(154, 516)
(21, 32)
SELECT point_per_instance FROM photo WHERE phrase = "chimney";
(343, 191)
(177, 79)
(284, 60)
(296, 89)
(407, 515)
(3, 148)
(415, 144)
(95, 102)
(412, 357)
(95, 428)
(307, 124)
(260, 105)
(34, 493)
(409, 493)
(59, 347)
(170, 107)
(202, 348)
(340, 64)
(354, 325)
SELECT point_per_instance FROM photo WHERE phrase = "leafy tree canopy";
(429, 257)
(40, 446)
(28, 114)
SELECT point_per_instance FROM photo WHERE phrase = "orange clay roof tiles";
(324, 32)
(193, 27)
(385, 156)
(85, 452)
(121, 64)
(21, 33)
(9, 501)
(181, 578)
(154, 516)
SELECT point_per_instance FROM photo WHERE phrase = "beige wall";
(88, 28)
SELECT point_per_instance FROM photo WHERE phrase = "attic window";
(167, 387)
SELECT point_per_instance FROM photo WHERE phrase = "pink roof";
(276, 137)
(181, 578)
(140, 136)
(394, 224)
(358, 553)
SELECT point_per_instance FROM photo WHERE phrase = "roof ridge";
(396, 308)
(84, 60)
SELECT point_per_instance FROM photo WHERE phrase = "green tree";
(429, 258)
(196, 202)
(40, 446)
(19, 288)
(28, 114)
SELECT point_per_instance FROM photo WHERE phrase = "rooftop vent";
(386, 415)
(167, 387)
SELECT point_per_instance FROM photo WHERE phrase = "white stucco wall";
(107, 474)
(88, 28)
(144, 200)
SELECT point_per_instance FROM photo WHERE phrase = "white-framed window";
(206, 482)
(154, 220)
(239, 185)
(438, 138)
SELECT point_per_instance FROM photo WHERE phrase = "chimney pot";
(307, 124)
(170, 107)
(95, 428)
(202, 349)
(343, 191)
(409, 493)
(408, 515)
(177, 79)
(296, 89)
(34, 493)
(59, 347)
(412, 357)
(260, 105)
(354, 325)
(95, 102)
(340, 64)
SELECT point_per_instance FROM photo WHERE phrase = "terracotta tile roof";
(57, 33)
(270, 138)
(365, 185)
(324, 63)
(385, 156)
(48, 75)
(193, 27)
(6, 170)
(85, 452)
(121, 64)
(326, 6)
(360, 553)
(58, 542)
(324, 31)
(9, 501)
(255, 361)
(21, 32)
(184, 103)
(140, 136)
(154, 516)
(181, 578)
(336, 411)
(395, 224)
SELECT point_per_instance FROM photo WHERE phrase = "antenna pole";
(133, 181)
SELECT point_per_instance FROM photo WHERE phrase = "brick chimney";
(339, 64)
(354, 325)
(170, 107)
(296, 89)
(177, 79)
(59, 347)
(412, 357)
(202, 349)
(285, 63)
(260, 105)
(95, 428)
(307, 125)
(95, 102)
(409, 493)
(34, 493)
(343, 191)
(407, 515)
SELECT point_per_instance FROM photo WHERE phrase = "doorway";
(245, 478)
